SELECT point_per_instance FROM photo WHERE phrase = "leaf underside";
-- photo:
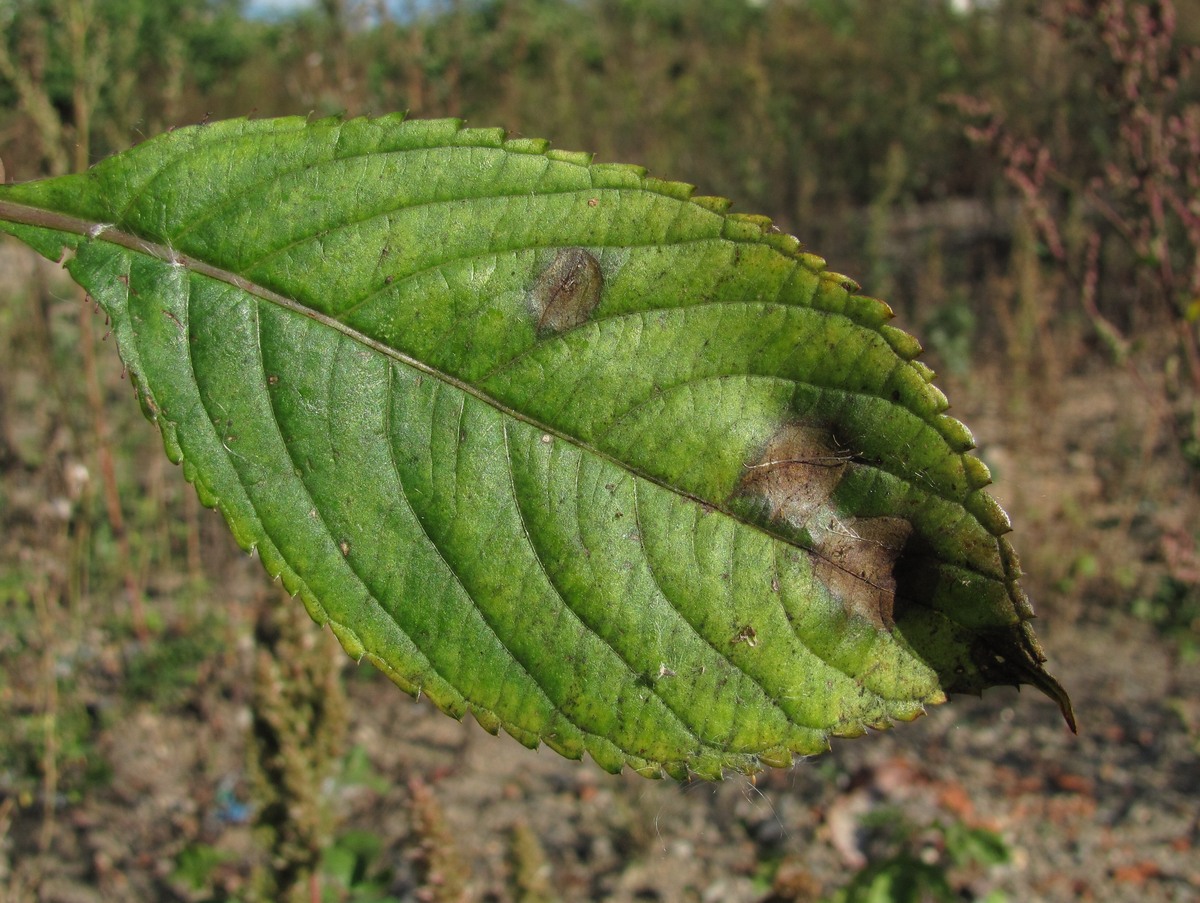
(554, 443)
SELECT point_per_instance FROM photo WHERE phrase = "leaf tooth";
(403, 682)
(617, 175)
(528, 739)
(606, 754)
(432, 132)
(527, 145)
(915, 711)
(208, 498)
(902, 343)
(778, 757)
(653, 770)
(332, 120)
(760, 222)
(788, 245)
(578, 158)
(956, 433)
(924, 370)
(1021, 600)
(977, 472)
(349, 639)
(442, 694)
(940, 401)
(491, 723)
(711, 769)
(845, 282)
(481, 137)
(1012, 564)
(814, 262)
(849, 730)
(676, 770)
(712, 202)
(988, 512)
(681, 191)
(924, 399)
(394, 118)
(311, 604)
(563, 748)
(736, 228)
(864, 310)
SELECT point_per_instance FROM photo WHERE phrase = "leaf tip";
(1068, 713)
(1015, 658)
(1040, 678)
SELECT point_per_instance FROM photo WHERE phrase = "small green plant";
(357, 771)
(354, 871)
(297, 732)
(950, 331)
(78, 764)
(923, 864)
(165, 671)
(195, 867)
(1174, 611)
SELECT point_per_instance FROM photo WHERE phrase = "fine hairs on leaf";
(551, 442)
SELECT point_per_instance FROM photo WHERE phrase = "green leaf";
(551, 442)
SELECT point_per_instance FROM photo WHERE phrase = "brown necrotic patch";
(857, 563)
(798, 471)
(567, 291)
(855, 558)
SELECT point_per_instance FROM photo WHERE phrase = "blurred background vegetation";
(847, 121)
(1019, 180)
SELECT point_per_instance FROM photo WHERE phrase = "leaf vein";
(566, 605)
(637, 513)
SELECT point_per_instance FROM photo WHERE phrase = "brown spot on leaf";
(857, 562)
(567, 291)
(799, 469)
(745, 634)
(855, 558)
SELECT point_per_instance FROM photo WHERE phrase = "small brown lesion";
(567, 291)
(745, 634)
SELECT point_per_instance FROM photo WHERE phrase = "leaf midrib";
(98, 231)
